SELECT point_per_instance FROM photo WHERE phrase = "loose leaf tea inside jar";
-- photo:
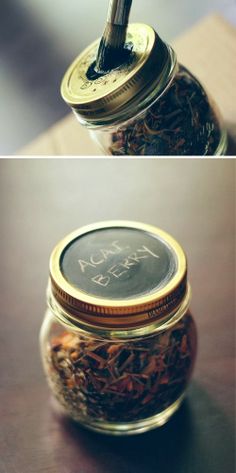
(181, 122)
(118, 340)
(121, 382)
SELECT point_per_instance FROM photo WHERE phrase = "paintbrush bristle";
(111, 48)
(115, 36)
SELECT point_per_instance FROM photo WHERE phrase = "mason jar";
(118, 340)
(150, 105)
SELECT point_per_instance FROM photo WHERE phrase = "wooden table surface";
(43, 200)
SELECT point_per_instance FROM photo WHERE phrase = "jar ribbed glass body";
(181, 121)
(114, 385)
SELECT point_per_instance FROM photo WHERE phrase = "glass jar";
(151, 105)
(118, 341)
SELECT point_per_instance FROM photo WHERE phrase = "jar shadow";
(199, 437)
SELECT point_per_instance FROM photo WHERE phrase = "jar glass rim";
(117, 334)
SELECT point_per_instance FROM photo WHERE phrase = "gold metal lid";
(118, 274)
(149, 68)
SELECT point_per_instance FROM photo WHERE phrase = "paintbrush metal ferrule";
(118, 12)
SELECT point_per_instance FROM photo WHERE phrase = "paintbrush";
(112, 52)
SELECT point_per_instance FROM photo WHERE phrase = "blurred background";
(39, 39)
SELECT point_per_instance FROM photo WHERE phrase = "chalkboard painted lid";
(118, 274)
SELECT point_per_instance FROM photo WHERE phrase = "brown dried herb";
(125, 381)
(181, 122)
